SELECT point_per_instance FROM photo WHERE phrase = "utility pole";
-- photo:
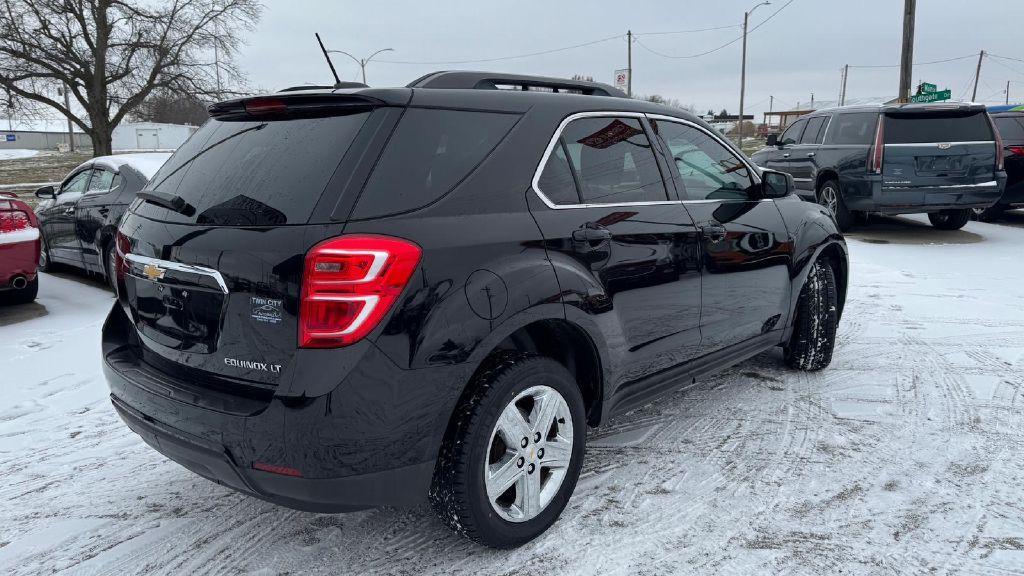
(71, 127)
(977, 76)
(907, 57)
(1007, 92)
(743, 66)
(629, 63)
(842, 93)
(771, 107)
(362, 61)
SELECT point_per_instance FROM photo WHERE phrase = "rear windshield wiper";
(169, 201)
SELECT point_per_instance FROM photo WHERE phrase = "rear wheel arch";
(824, 176)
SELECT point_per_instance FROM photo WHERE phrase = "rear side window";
(857, 128)
(612, 161)
(248, 173)
(430, 153)
(557, 181)
(812, 132)
(928, 128)
(1010, 127)
(101, 180)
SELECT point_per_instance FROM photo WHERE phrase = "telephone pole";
(743, 66)
(629, 63)
(1007, 92)
(977, 76)
(907, 57)
(842, 93)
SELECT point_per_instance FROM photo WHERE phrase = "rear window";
(857, 128)
(917, 128)
(1010, 127)
(430, 153)
(245, 173)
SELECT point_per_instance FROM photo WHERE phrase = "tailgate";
(939, 148)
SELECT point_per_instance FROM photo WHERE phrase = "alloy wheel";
(830, 199)
(528, 454)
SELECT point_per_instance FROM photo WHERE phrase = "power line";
(1007, 66)
(1004, 57)
(501, 58)
(918, 63)
(687, 31)
(713, 50)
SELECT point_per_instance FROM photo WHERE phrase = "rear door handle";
(810, 154)
(786, 155)
(69, 210)
(713, 232)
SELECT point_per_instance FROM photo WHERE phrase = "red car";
(19, 251)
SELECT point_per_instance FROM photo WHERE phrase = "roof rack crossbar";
(494, 80)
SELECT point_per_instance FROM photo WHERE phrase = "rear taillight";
(14, 220)
(124, 247)
(349, 283)
(1015, 150)
(258, 106)
(1000, 154)
(878, 149)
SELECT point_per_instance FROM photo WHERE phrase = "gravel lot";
(903, 457)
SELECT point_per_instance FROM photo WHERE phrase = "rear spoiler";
(292, 105)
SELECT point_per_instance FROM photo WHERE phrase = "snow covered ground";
(905, 456)
(17, 153)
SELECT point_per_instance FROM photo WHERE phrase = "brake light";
(275, 469)
(14, 220)
(1016, 150)
(1000, 154)
(878, 150)
(349, 283)
(124, 247)
(257, 106)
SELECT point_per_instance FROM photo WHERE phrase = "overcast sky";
(798, 52)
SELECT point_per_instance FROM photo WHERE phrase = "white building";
(150, 136)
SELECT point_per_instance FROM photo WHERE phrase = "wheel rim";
(43, 258)
(528, 454)
(978, 211)
(829, 198)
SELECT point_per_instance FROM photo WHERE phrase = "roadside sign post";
(927, 92)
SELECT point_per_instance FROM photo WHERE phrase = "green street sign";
(926, 88)
(932, 96)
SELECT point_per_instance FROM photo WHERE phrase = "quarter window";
(611, 159)
(557, 181)
(708, 170)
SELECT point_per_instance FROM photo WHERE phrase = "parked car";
(942, 159)
(19, 251)
(79, 217)
(339, 299)
(1009, 121)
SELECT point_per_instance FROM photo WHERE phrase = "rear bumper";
(18, 259)
(372, 441)
(1014, 194)
(217, 463)
(887, 199)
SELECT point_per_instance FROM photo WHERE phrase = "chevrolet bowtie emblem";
(153, 272)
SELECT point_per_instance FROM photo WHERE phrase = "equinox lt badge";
(251, 365)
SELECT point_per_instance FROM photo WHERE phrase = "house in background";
(150, 136)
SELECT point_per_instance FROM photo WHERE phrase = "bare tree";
(170, 108)
(112, 54)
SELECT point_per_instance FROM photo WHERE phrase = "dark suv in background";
(943, 159)
(337, 299)
(1009, 121)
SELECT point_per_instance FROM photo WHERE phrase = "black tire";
(950, 219)
(990, 214)
(109, 267)
(834, 202)
(24, 296)
(817, 315)
(45, 264)
(458, 494)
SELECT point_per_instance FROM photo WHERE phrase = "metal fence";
(32, 140)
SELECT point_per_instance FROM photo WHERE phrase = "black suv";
(1009, 123)
(942, 159)
(338, 299)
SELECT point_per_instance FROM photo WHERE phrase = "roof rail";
(337, 86)
(461, 79)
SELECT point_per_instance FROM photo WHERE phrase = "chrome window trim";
(180, 267)
(535, 183)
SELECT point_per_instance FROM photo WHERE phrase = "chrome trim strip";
(944, 187)
(936, 144)
(189, 268)
(535, 183)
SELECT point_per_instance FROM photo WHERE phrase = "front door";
(782, 157)
(624, 249)
(745, 245)
(59, 227)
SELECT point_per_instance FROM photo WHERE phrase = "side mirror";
(46, 192)
(773, 140)
(776, 184)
